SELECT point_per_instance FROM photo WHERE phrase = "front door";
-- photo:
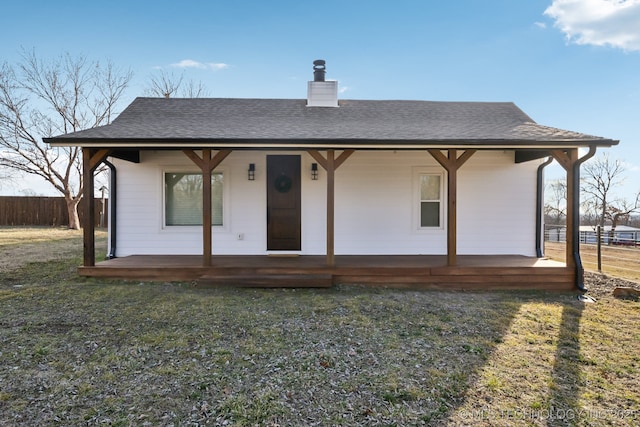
(283, 203)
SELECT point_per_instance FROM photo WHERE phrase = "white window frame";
(189, 228)
(418, 172)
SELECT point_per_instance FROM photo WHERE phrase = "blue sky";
(572, 64)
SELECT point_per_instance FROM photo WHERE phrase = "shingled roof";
(256, 123)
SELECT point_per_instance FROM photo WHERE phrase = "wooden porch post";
(451, 164)
(567, 160)
(207, 164)
(331, 174)
(570, 161)
(90, 161)
(207, 238)
(330, 164)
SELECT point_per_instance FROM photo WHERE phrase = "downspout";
(113, 192)
(576, 217)
(540, 206)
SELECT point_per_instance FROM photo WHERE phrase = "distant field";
(617, 261)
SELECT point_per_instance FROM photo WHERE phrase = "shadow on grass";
(564, 408)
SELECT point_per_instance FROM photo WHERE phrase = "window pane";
(183, 204)
(216, 198)
(430, 214)
(430, 187)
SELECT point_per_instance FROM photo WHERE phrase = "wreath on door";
(283, 184)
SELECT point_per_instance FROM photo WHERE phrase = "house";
(320, 191)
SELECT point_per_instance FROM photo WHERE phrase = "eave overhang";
(320, 144)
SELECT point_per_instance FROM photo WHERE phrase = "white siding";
(376, 206)
(496, 205)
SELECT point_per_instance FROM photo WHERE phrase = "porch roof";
(177, 123)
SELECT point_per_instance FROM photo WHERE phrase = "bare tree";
(600, 179)
(164, 84)
(555, 207)
(169, 85)
(623, 212)
(195, 90)
(45, 98)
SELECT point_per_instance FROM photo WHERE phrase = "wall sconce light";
(314, 171)
(252, 172)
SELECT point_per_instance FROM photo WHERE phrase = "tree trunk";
(72, 209)
(614, 224)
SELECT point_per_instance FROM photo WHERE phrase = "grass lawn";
(78, 351)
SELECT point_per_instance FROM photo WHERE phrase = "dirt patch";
(599, 285)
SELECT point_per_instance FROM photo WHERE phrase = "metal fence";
(624, 237)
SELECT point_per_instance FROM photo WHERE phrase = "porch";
(472, 272)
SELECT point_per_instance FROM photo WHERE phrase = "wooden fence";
(48, 211)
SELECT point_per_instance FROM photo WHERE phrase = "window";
(430, 200)
(183, 198)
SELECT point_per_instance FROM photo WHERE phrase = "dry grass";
(562, 364)
(22, 245)
(623, 262)
(25, 236)
(77, 351)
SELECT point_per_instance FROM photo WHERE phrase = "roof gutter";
(113, 216)
(337, 144)
(576, 217)
(540, 206)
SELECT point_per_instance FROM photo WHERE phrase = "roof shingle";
(176, 121)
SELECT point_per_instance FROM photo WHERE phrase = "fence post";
(599, 243)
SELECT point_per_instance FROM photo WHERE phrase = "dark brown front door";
(283, 203)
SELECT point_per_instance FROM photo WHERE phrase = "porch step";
(268, 280)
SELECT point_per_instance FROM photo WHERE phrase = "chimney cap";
(319, 70)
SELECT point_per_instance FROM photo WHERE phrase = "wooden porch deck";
(398, 271)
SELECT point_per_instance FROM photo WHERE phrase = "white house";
(437, 185)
